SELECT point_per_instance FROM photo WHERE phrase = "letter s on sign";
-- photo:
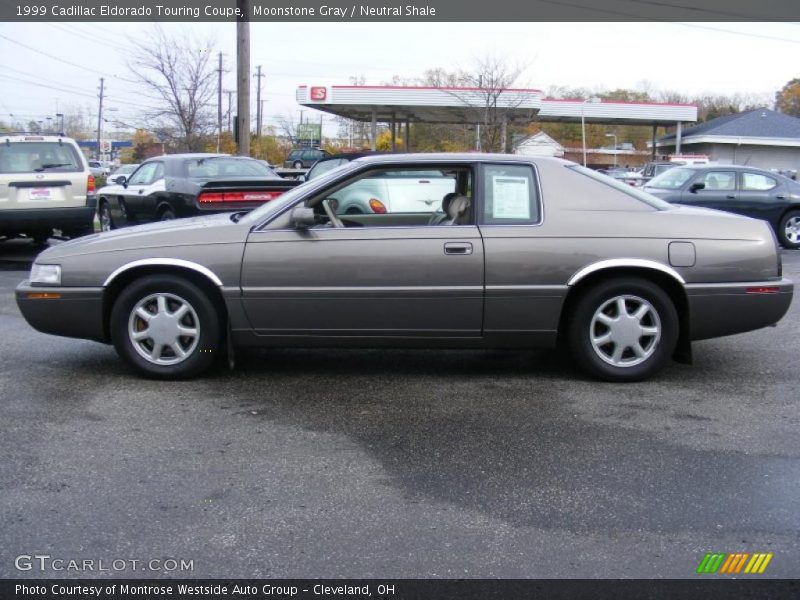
(319, 93)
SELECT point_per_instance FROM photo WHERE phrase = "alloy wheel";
(792, 230)
(625, 331)
(164, 329)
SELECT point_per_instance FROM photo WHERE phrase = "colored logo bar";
(732, 563)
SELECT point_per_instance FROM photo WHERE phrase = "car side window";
(144, 174)
(756, 182)
(393, 197)
(510, 195)
(719, 181)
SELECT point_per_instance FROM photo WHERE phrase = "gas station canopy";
(405, 104)
(465, 105)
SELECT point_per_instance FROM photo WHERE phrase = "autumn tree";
(787, 100)
(179, 80)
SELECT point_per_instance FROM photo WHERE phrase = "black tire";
(658, 349)
(166, 214)
(87, 229)
(297, 165)
(40, 238)
(104, 216)
(790, 219)
(201, 353)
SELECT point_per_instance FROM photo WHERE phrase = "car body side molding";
(625, 262)
(170, 262)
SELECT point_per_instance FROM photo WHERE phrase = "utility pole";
(301, 116)
(259, 106)
(261, 116)
(230, 107)
(219, 101)
(243, 77)
(100, 118)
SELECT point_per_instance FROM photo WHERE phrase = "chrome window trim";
(362, 167)
(170, 262)
(625, 262)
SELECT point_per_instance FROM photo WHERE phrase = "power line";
(66, 62)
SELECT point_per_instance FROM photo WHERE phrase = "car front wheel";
(166, 327)
(297, 165)
(623, 330)
(789, 230)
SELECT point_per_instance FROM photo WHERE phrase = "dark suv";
(303, 158)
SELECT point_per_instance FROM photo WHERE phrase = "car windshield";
(290, 197)
(672, 179)
(623, 187)
(226, 166)
(37, 157)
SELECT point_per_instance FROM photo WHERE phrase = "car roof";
(35, 137)
(193, 156)
(458, 157)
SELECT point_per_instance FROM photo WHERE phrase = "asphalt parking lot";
(398, 463)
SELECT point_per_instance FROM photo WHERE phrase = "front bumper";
(34, 219)
(71, 312)
(720, 309)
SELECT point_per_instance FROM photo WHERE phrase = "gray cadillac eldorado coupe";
(519, 253)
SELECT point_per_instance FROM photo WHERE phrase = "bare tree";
(491, 97)
(178, 75)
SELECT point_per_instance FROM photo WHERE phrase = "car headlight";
(45, 274)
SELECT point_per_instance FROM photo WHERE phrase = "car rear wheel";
(104, 216)
(623, 330)
(789, 230)
(166, 327)
(297, 165)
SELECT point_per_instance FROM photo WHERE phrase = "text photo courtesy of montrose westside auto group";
(399, 301)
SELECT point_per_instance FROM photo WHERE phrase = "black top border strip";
(400, 10)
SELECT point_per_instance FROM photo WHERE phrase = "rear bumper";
(722, 309)
(30, 219)
(70, 312)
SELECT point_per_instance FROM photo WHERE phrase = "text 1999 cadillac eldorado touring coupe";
(523, 253)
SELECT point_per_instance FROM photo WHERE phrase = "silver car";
(526, 252)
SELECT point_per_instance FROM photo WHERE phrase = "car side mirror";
(120, 179)
(697, 186)
(302, 217)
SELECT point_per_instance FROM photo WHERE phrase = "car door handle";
(781, 197)
(731, 197)
(141, 191)
(458, 248)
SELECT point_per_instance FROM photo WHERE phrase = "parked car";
(531, 251)
(186, 185)
(743, 190)
(45, 184)
(303, 158)
(97, 168)
(121, 173)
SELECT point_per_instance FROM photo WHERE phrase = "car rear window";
(224, 167)
(626, 189)
(39, 157)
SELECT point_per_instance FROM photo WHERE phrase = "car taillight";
(213, 197)
(90, 185)
(762, 290)
(377, 206)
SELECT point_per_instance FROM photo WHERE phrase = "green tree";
(787, 100)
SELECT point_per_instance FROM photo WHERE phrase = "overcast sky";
(693, 58)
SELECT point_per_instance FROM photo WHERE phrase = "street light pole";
(614, 135)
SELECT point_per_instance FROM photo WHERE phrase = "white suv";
(45, 184)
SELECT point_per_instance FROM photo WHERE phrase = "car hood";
(210, 229)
